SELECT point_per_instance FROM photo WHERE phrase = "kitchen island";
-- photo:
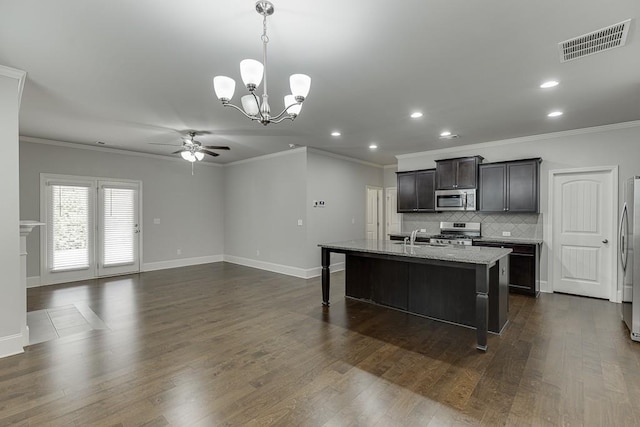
(462, 285)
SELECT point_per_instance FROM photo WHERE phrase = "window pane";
(69, 219)
(118, 219)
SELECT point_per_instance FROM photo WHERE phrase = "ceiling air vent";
(594, 42)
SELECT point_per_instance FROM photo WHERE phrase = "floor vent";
(594, 42)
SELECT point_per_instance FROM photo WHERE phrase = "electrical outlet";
(353, 220)
(299, 222)
(179, 251)
(258, 252)
(423, 230)
(506, 233)
(156, 220)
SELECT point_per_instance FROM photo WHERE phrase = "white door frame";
(386, 209)
(379, 207)
(614, 294)
(44, 177)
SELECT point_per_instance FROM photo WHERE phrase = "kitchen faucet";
(414, 234)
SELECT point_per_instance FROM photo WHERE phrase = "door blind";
(69, 220)
(119, 213)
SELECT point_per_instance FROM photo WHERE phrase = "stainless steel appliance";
(456, 200)
(629, 239)
(456, 233)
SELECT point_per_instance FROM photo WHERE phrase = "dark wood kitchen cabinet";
(416, 191)
(459, 173)
(524, 266)
(512, 186)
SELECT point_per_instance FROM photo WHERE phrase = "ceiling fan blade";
(160, 143)
(179, 151)
(216, 147)
(211, 153)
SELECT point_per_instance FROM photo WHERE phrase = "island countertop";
(465, 254)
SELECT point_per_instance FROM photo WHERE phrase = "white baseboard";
(280, 268)
(182, 262)
(302, 273)
(545, 287)
(11, 345)
(317, 271)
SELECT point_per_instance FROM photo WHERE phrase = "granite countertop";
(526, 240)
(466, 254)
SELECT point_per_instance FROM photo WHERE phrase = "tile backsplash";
(492, 225)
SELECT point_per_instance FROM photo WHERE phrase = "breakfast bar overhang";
(461, 285)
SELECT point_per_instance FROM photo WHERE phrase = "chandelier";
(252, 73)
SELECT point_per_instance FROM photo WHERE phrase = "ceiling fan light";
(199, 155)
(251, 72)
(250, 105)
(224, 87)
(295, 108)
(300, 85)
(188, 155)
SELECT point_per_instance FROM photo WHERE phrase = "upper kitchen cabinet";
(510, 186)
(457, 174)
(416, 191)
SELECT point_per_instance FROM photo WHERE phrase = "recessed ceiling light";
(373, 146)
(416, 115)
(554, 114)
(335, 133)
(550, 83)
(445, 133)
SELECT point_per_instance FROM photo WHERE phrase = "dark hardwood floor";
(221, 344)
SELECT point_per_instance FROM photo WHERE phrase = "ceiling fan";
(193, 150)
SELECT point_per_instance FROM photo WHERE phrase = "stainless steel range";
(456, 233)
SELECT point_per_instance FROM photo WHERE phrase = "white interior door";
(583, 233)
(118, 228)
(393, 218)
(374, 212)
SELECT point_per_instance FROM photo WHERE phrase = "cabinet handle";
(605, 241)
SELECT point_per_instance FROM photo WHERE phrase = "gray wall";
(390, 179)
(264, 199)
(605, 146)
(189, 207)
(342, 185)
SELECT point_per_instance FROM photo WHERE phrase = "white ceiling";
(129, 73)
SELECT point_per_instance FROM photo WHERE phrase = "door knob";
(605, 241)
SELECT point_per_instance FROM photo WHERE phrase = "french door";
(92, 228)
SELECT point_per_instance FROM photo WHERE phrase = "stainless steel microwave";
(456, 200)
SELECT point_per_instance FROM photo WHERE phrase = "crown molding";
(341, 157)
(65, 144)
(19, 75)
(390, 166)
(531, 138)
(267, 156)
